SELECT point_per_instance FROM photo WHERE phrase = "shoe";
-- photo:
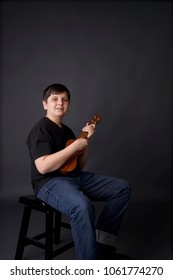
(109, 253)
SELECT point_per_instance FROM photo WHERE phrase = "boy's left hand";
(90, 128)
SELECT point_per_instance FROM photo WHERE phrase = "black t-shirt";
(46, 137)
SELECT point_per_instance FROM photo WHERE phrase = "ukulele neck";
(83, 134)
(94, 120)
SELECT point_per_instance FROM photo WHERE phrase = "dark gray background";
(114, 56)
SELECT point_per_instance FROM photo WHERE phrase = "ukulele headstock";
(95, 119)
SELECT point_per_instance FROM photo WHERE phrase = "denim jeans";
(74, 196)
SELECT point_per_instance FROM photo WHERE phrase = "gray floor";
(145, 231)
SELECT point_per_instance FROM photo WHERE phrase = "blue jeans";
(73, 195)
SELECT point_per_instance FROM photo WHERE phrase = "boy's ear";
(44, 105)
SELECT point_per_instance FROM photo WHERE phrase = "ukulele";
(71, 164)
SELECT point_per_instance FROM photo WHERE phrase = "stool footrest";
(35, 242)
(63, 249)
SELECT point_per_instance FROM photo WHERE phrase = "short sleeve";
(39, 143)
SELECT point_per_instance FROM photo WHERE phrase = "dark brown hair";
(55, 89)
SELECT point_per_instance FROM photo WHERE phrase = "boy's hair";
(55, 89)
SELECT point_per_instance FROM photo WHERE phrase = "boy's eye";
(54, 98)
(65, 99)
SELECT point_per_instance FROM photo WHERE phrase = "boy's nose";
(60, 102)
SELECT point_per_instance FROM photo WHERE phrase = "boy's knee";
(83, 206)
(128, 189)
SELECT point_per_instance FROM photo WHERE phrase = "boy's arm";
(50, 163)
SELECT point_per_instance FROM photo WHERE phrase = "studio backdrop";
(114, 57)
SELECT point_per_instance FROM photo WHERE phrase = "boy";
(74, 192)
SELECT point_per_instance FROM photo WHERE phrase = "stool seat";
(53, 225)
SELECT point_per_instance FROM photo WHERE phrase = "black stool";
(52, 229)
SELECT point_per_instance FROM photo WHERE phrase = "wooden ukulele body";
(71, 163)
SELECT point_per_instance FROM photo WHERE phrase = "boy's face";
(57, 104)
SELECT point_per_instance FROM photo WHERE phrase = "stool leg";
(49, 236)
(57, 227)
(23, 233)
